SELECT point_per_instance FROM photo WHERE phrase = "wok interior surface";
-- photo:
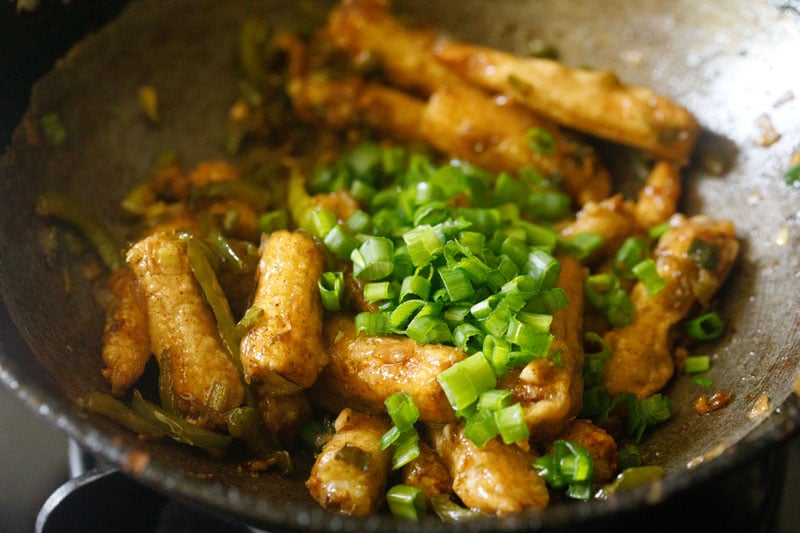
(728, 62)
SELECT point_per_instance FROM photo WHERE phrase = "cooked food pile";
(414, 267)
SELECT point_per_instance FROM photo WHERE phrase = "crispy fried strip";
(350, 473)
(126, 343)
(551, 393)
(363, 371)
(495, 478)
(365, 26)
(283, 351)
(590, 101)
(181, 325)
(658, 199)
(466, 123)
(641, 362)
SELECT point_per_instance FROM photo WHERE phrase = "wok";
(729, 62)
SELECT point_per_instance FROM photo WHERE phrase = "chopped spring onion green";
(464, 382)
(273, 221)
(402, 410)
(331, 289)
(705, 327)
(632, 252)
(702, 381)
(511, 423)
(583, 244)
(340, 242)
(704, 254)
(696, 364)
(569, 466)
(53, 129)
(406, 501)
(628, 456)
(372, 323)
(604, 292)
(481, 427)
(792, 176)
(647, 272)
(354, 456)
(631, 478)
(541, 141)
(69, 209)
(658, 230)
(373, 260)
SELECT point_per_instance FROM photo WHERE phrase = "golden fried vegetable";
(126, 343)
(658, 199)
(206, 383)
(283, 351)
(694, 257)
(599, 444)
(551, 391)
(364, 370)
(350, 473)
(493, 133)
(365, 26)
(594, 102)
(494, 478)
(428, 472)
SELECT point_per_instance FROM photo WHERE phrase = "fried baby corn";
(183, 330)
(283, 351)
(594, 102)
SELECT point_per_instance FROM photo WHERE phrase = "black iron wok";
(729, 62)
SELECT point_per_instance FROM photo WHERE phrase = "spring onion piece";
(702, 381)
(481, 427)
(596, 400)
(353, 456)
(647, 272)
(406, 449)
(373, 259)
(372, 323)
(657, 231)
(449, 511)
(583, 244)
(464, 382)
(423, 245)
(632, 252)
(696, 364)
(427, 329)
(340, 242)
(166, 384)
(604, 292)
(406, 501)
(594, 362)
(331, 290)
(457, 284)
(706, 327)
(402, 410)
(244, 191)
(511, 423)
(541, 141)
(631, 478)
(628, 456)
(177, 428)
(53, 129)
(69, 209)
(273, 221)
(704, 254)
(380, 290)
(216, 299)
(120, 413)
(548, 205)
(569, 466)
(792, 176)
